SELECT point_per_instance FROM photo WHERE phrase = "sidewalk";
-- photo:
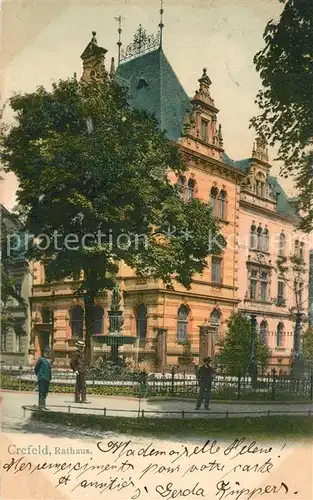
(118, 407)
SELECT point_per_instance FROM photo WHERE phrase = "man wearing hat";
(205, 377)
(78, 365)
(44, 375)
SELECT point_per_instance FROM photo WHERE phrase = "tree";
(94, 173)
(186, 358)
(235, 347)
(285, 65)
(8, 289)
(307, 345)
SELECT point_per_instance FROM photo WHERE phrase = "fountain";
(115, 337)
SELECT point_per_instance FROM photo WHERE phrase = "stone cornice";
(209, 163)
(293, 219)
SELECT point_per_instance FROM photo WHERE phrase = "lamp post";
(252, 367)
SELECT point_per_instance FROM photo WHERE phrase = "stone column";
(206, 342)
(162, 347)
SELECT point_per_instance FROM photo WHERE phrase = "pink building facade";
(268, 233)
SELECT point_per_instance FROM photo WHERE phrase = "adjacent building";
(15, 341)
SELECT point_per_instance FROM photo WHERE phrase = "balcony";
(280, 301)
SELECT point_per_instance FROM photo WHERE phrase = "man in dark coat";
(205, 377)
(44, 375)
(78, 365)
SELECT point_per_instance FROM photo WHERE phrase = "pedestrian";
(44, 374)
(78, 365)
(205, 376)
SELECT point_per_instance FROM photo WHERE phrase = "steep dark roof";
(241, 164)
(284, 204)
(154, 87)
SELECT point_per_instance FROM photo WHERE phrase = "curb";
(162, 399)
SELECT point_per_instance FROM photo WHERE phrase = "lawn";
(256, 427)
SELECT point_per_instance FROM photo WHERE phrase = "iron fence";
(273, 387)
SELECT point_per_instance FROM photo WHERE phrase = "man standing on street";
(44, 375)
(78, 365)
(205, 377)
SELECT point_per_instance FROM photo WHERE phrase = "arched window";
(279, 334)
(260, 185)
(77, 322)
(182, 323)
(297, 248)
(46, 315)
(222, 199)
(181, 185)
(213, 200)
(98, 318)
(282, 245)
(263, 332)
(141, 321)
(260, 238)
(253, 237)
(191, 189)
(301, 251)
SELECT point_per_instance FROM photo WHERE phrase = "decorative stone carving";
(260, 150)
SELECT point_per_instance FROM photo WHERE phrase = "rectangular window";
(264, 285)
(18, 289)
(18, 342)
(216, 270)
(281, 293)
(204, 130)
(253, 284)
(3, 341)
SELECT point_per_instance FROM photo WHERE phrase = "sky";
(42, 42)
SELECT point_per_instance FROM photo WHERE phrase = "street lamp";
(252, 367)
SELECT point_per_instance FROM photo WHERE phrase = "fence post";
(20, 378)
(273, 384)
(311, 388)
(239, 386)
(172, 381)
(93, 380)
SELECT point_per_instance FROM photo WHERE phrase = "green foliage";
(235, 347)
(186, 358)
(110, 181)
(8, 289)
(285, 66)
(256, 427)
(292, 271)
(307, 344)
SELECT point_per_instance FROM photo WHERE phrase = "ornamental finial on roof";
(204, 78)
(93, 39)
(141, 44)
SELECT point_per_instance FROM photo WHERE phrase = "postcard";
(156, 250)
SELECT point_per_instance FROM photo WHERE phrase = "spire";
(203, 95)
(204, 80)
(119, 19)
(161, 25)
(112, 69)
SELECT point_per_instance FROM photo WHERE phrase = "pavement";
(13, 415)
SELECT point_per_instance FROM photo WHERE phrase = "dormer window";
(260, 185)
(204, 130)
(142, 83)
